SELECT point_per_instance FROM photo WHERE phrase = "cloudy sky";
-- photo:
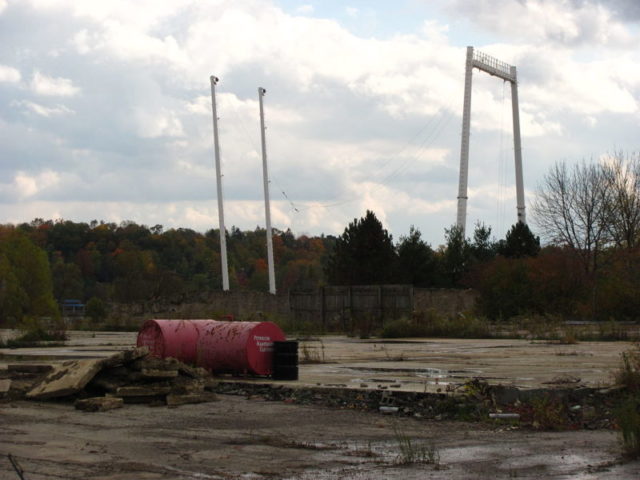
(105, 107)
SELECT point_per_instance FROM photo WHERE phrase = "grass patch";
(628, 419)
(549, 413)
(627, 414)
(35, 332)
(312, 353)
(628, 375)
(552, 329)
(411, 451)
(430, 324)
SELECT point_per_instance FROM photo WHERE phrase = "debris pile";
(588, 408)
(132, 376)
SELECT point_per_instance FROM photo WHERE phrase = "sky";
(105, 108)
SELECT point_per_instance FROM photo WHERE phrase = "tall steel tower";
(506, 72)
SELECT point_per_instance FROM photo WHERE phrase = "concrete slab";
(66, 379)
(5, 386)
(99, 404)
(410, 364)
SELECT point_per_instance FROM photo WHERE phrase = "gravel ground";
(240, 438)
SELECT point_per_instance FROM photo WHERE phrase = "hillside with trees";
(589, 216)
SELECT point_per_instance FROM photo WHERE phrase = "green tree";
(482, 248)
(25, 279)
(95, 309)
(67, 280)
(519, 242)
(364, 254)
(416, 260)
(457, 255)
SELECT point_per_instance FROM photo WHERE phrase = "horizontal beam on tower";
(493, 66)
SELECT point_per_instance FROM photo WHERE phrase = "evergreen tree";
(456, 256)
(416, 260)
(482, 248)
(519, 242)
(363, 255)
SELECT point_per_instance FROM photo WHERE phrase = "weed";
(392, 357)
(431, 324)
(629, 373)
(628, 418)
(312, 353)
(34, 332)
(364, 450)
(411, 452)
(549, 413)
(628, 413)
(569, 336)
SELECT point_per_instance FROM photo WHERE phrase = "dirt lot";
(241, 437)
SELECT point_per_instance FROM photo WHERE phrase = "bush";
(96, 310)
(629, 373)
(549, 413)
(34, 332)
(430, 324)
(403, 328)
(628, 419)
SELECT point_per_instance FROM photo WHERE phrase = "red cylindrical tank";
(171, 338)
(241, 347)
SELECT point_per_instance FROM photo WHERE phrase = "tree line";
(44, 262)
(588, 215)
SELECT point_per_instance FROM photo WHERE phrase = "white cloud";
(3, 5)
(341, 111)
(563, 22)
(52, 86)
(9, 74)
(44, 111)
(306, 9)
(25, 186)
(159, 123)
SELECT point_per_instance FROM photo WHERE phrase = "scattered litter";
(386, 409)
(563, 380)
(505, 416)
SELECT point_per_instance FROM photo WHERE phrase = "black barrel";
(285, 360)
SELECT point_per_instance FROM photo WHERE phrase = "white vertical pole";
(267, 206)
(216, 147)
(464, 147)
(517, 148)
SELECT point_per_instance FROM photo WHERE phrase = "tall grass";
(35, 331)
(430, 324)
(628, 412)
(411, 451)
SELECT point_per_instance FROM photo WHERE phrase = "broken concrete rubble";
(130, 376)
(66, 379)
(99, 404)
(474, 404)
(5, 385)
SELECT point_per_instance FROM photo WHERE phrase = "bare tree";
(622, 179)
(571, 209)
